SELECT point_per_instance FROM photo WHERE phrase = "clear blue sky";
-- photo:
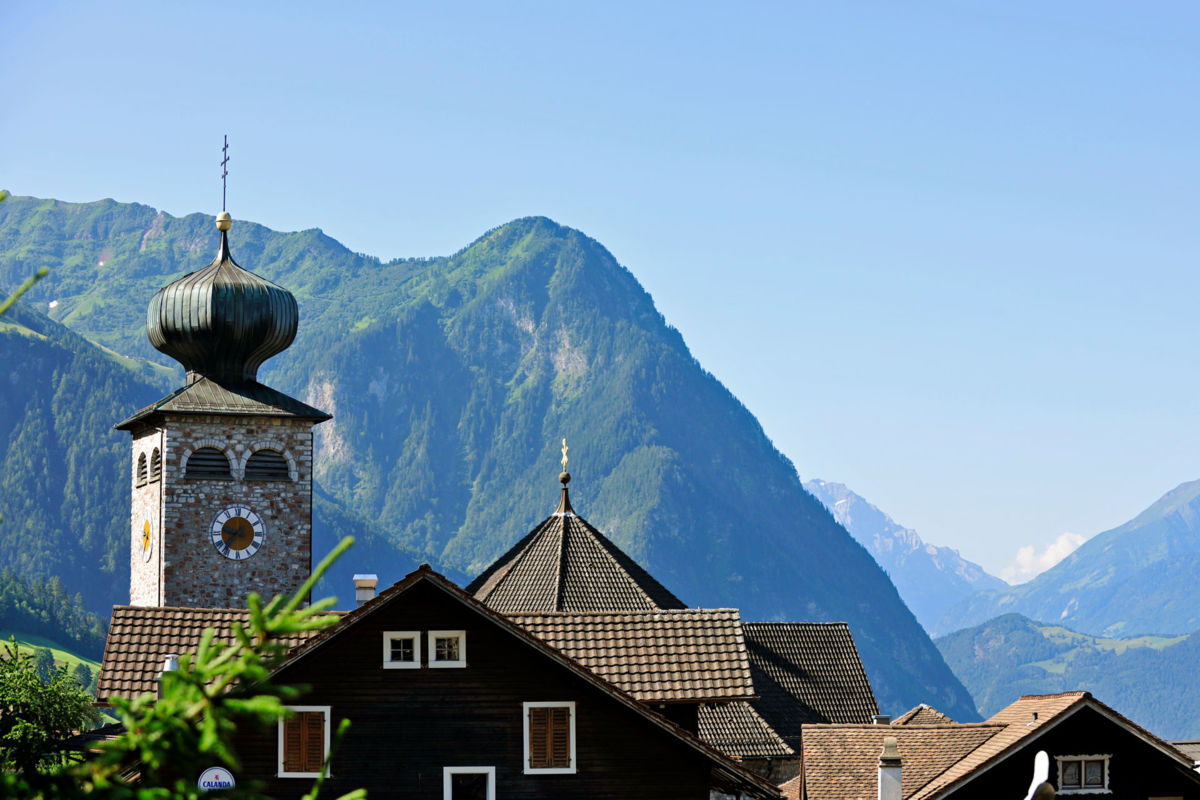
(947, 253)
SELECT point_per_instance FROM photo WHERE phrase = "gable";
(474, 712)
(1140, 764)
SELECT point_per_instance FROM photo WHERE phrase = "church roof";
(205, 396)
(222, 321)
(565, 564)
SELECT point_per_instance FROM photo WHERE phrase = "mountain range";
(930, 578)
(451, 381)
(1138, 578)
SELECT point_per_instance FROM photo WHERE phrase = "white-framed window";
(401, 649)
(468, 783)
(304, 742)
(1083, 774)
(447, 648)
(549, 738)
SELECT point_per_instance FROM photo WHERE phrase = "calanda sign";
(215, 778)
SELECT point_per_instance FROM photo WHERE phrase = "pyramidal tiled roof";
(923, 715)
(565, 564)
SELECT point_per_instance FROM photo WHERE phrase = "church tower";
(221, 468)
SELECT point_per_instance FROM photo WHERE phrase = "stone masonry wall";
(144, 574)
(193, 573)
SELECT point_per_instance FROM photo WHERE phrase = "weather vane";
(564, 452)
(224, 169)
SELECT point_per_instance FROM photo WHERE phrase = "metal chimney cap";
(881, 719)
(366, 580)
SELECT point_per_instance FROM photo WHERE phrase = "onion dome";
(222, 322)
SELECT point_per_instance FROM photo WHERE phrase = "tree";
(37, 714)
(43, 663)
(168, 740)
(83, 674)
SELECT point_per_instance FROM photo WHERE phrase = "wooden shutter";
(560, 736)
(549, 737)
(304, 742)
(314, 741)
(292, 744)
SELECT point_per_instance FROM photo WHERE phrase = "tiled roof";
(564, 564)
(676, 655)
(139, 637)
(205, 396)
(1017, 723)
(1189, 747)
(841, 762)
(807, 672)
(923, 715)
(737, 730)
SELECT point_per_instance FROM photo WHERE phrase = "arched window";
(267, 465)
(155, 465)
(208, 462)
(141, 470)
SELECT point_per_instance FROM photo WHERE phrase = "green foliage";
(1150, 679)
(40, 706)
(43, 607)
(168, 740)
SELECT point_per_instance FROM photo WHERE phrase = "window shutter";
(560, 737)
(549, 737)
(314, 740)
(539, 740)
(292, 748)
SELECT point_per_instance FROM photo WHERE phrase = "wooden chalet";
(1092, 749)
(448, 698)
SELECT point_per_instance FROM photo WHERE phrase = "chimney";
(881, 719)
(889, 770)
(364, 587)
(170, 664)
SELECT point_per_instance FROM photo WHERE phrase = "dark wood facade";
(407, 725)
(1137, 769)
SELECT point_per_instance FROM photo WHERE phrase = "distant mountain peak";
(930, 578)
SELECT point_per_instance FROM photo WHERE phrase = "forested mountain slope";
(1150, 679)
(452, 382)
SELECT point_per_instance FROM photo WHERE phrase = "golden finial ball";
(224, 221)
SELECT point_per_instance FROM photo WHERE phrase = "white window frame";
(280, 772)
(447, 791)
(1105, 757)
(569, 704)
(462, 649)
(388, 636)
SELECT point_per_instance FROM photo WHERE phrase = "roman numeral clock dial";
(237, 532)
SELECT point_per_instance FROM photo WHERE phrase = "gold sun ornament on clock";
(237, 532)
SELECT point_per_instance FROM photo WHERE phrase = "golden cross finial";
(564, 452)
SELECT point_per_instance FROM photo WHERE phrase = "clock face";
(237, 532)
(147, 539)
